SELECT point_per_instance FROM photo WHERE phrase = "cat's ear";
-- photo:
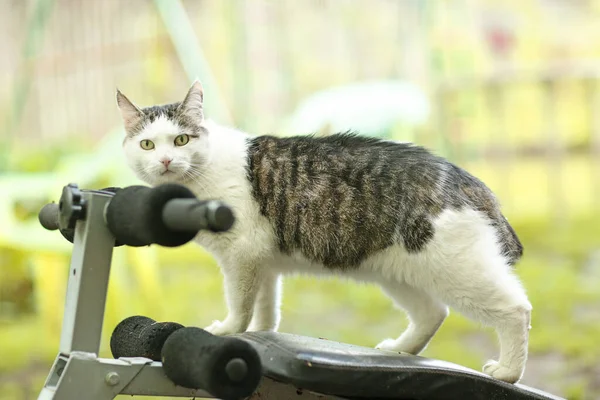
(193, 103)
(131, 114)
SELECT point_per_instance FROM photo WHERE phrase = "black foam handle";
(134, 216)
(140, 336)
(228, 368)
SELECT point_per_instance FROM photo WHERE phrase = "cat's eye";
(182, 140)
(147, 144)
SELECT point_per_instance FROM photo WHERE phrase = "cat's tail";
(475, 193)
(512, 248)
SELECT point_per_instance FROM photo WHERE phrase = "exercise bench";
(167, 359)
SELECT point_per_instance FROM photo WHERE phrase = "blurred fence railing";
(547, 118)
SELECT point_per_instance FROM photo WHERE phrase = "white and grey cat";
(429, 233)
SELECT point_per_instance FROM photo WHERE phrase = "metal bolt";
(112, 379)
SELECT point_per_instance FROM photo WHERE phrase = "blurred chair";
(389, 109)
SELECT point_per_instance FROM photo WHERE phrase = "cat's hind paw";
(389, 345)
(498, 371)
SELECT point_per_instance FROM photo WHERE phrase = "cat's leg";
(425, 314)
(267, 312)
(242, 283)
(491, 294)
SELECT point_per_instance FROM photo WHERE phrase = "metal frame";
(77, 371)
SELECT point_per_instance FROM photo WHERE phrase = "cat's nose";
(166, 162)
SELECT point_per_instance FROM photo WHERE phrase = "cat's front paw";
(214, 326)
(501, 372)
(219, 328)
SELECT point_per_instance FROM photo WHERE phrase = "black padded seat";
(355, 372)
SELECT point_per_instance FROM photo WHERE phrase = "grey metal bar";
(84, 376)
(88, 279)
(152, 381)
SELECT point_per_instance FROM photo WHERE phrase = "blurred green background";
(507, 89)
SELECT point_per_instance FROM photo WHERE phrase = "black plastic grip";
(49, 218)
(140, 336)
(191, 214)
(228, 368)
(134, 216)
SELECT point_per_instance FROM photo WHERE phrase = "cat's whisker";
(189, 176)
(200, 176)
(199, 179)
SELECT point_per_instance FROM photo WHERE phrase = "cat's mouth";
(167, 172)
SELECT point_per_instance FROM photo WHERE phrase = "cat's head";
(166, 143)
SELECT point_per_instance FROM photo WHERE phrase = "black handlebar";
(226, 367)
(168, 215)
(194, 215)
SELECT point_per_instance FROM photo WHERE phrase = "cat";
(427, 232)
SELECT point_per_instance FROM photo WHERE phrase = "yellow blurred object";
(50, 272)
